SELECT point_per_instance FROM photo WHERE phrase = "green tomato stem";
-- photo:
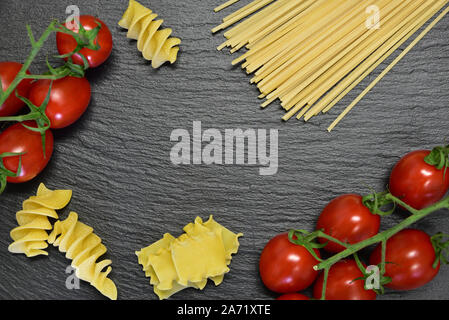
(26, 117)
(35, 48)
(323, 289)
(321, 234)
(46, 76)
(383, 255)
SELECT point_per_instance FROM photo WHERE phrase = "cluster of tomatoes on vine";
(411, 257)
(56, 99)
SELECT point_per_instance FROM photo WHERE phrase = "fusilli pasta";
(31, 236)
(155, 45)
(84, 248)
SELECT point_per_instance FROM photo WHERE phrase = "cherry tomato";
(410, 254)
(12, 105)
(417, 183)
(286, 267)
(19, 139)
(69, 98)
(293, 296)
(348, 220)
(341, 284)
(67, 43)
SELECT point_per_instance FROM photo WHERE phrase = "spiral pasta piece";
(155, 45)
(84, 248)
(31, 236)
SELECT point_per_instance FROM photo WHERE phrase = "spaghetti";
(225, 5)
(310, 53)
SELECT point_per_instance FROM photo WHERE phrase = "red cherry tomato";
(341, 284)
(12, 105)
(348, 220)
(286, 267)
(66, 43)
(293, 296)
(69, 98)
(19, 139)
(411, 255)
(417, 183)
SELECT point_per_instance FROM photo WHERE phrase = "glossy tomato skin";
(348, 220)
(69, 99)
(17, 138)
(12, 105)
(286, 267)
(417, 183)
(341, 284)
(293, 296)
(66, 43)
(411, 255)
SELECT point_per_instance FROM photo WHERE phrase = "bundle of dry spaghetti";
(310, 53)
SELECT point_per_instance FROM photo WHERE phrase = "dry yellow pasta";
(199, 256)
(310, 53)
(203, 252)
(156, 45)
(225, 5)
(84, 248)
(159, 267)
(31, 236)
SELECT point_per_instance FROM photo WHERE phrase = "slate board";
(116, 158)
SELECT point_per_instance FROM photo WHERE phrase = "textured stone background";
(116, 158)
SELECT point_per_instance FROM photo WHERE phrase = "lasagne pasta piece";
(199, 256)
(158, 264)
(230, 239)
(203, 252)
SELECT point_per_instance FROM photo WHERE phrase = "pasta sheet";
(203, 252)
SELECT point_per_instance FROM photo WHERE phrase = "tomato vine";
(4, 173)
(84, 39)
(301, 237)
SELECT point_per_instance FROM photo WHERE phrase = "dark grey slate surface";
(116, 158)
